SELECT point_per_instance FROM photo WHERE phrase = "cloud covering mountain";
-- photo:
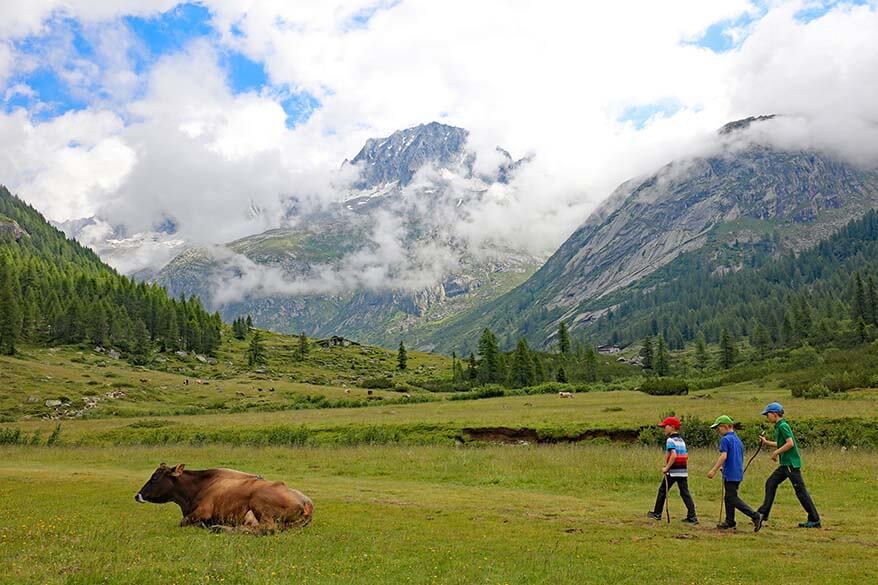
(247, 109)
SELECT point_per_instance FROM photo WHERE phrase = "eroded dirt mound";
(522, 436)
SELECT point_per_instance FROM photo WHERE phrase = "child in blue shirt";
(731, 459)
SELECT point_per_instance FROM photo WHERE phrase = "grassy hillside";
(172, 384)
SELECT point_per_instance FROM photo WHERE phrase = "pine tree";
(173, 331)
(458, 374)
(871, 301)
(591, 365)
(859, 306)
(489, 359)
(522, 366)
(249, 323)
(141, 347)
(539, 370)
(701, 357)
(804, 318)
(787, 330)
(402, 357)
(472, 370)
(239, 328)
(256, 351)
(727, 350)
(646, 354)
(761, 341)
(662, 363)
(10, 314)
(563, 339)
(561, 375)
(302, 349)
(862, 333)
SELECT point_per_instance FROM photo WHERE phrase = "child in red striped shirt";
(676, 470)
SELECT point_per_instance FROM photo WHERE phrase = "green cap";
(722, 420)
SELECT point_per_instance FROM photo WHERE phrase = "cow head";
(161, 486)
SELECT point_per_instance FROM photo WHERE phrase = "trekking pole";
(667, 499)
(758, 449)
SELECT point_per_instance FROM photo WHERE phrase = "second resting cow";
(227, 498)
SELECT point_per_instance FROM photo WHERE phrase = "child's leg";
(731, 496)
(683, 483)
(803, 495)
(741, 505)
(775, 479)
(660, 498)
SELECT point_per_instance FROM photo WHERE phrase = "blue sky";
(721, 37)
(167, 33)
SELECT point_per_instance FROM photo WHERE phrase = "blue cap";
(774, 407)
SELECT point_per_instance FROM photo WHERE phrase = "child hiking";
(675, 471)
(731, 460)
(787, 452)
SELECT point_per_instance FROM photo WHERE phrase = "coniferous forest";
(823, 295)
(54, 291)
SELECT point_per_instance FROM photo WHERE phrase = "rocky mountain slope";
(316, 276)
(742, 200)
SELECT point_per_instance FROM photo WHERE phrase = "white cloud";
(19, 18)
(64, 166)
(5, 62)
(549, 78)
(385, 260)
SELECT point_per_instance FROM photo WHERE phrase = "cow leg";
(250, 519)
(199, 516)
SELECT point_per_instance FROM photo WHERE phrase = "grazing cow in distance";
(565, 394)
(227, 498)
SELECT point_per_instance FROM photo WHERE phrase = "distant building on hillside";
(609, 349)
(336, 341)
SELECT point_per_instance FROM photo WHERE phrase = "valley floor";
(393, 514)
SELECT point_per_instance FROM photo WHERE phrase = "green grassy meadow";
(399, 496)
(393, 514)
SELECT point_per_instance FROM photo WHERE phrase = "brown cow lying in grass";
(226, 499)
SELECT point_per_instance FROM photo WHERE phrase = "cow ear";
(178, 470)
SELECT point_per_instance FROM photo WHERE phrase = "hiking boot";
(690, 520)
(653, 516)
(809, 524)
(726, 526)
(757, 522)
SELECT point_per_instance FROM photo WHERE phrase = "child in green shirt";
(787, 452)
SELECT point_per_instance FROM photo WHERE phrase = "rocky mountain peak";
(396, 158)
(739, 125)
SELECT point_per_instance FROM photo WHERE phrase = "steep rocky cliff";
(742, 194)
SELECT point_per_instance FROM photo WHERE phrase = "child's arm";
(719, 463)
(783, 449)
(767, 442)
(669, 460)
